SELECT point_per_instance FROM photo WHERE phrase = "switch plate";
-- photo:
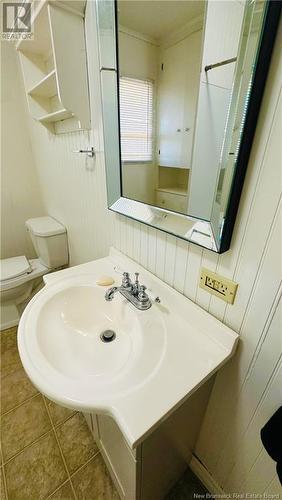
(219, 286)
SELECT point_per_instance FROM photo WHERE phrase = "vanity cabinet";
(150, 470)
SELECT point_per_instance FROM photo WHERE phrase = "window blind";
(136, 119)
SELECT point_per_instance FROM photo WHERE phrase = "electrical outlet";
(219, 286)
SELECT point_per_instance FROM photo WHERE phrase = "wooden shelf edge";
(55, 116)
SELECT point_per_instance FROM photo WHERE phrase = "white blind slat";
(136, 119)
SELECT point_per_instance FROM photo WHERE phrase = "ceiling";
(158, 18)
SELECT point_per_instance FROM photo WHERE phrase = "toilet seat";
(35, 269)
(14, 267)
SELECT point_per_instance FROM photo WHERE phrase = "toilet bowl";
(20, 277)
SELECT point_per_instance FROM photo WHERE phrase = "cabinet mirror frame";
(212, 235)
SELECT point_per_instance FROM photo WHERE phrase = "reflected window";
(136, 119)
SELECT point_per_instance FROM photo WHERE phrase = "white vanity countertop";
(196, 345)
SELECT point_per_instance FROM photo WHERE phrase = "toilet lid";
(13, 267)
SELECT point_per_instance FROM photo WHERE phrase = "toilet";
(20, 277)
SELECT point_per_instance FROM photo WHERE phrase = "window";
(136, 119)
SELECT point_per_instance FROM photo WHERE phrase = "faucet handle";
(126, 281)
(142, 296)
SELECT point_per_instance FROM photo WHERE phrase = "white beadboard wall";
(21, 197)
(247, 390)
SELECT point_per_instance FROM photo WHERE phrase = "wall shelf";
(47, 87)
(55, 72)
(172, 188)
(55, 116)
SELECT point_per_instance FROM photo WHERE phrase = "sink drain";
(108, 336)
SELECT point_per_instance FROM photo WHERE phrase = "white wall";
(139, 181)
(20, 196)
(246, 392)
(73, 186)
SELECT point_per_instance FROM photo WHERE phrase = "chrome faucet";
(133, 292)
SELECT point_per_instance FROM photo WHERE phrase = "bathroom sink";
(108, 357)
(66, 326)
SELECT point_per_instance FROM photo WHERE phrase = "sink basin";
(66, 325)
(74, 319)
(156, 359)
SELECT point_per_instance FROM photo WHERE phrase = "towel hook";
(90, 152)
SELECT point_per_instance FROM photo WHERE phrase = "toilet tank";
(49, 238)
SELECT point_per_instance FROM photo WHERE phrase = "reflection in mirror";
(159, 68)
(174, 92)
(242, 86)
(181, 97)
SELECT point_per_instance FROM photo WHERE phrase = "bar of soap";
(105, 281)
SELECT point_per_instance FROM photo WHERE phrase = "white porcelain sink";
(65, 325)
(157, 358)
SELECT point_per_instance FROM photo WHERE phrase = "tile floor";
(47, 451)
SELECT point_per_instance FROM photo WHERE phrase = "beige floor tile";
(8, 339)
(76, 442)
(15, 389)
(58, 413)
(2, 489)
(22, 426)
(10, 360)
(63, 493)
(36, 472)
(93, 482)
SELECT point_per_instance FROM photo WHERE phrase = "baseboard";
(205, 477)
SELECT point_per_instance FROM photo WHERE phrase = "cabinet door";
(177, 100)
(170, 107)
(192, 49)
(121, 461)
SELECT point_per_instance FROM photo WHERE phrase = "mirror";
(182, 83)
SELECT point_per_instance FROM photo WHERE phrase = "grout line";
(86, 463)
(57, 489)
(60, 449)
(56, 426)
(27, 446)
(4, 474)
(20, 404)
(70, 475)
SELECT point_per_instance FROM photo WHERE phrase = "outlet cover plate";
(217, 285)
